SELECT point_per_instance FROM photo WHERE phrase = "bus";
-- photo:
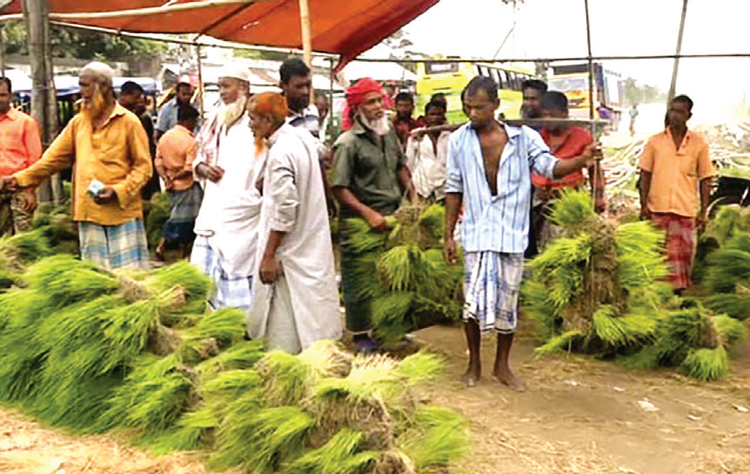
(450, 78)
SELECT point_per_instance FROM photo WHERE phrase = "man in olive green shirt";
(369, 180)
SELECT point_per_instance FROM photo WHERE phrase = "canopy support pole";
(304, 14)
(201, 93)
(676, 66)
(43, 97)
(2, 50)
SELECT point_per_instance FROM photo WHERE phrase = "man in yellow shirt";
(108, 149)
(675, 167)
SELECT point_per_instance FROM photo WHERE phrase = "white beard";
(230, 113)
(379, 126)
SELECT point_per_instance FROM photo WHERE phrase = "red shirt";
(20, 145)
(404, 127)
(576, 140)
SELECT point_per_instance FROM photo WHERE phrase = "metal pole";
(304, 14)
(676, 66)
(2, 50)
(590, 61)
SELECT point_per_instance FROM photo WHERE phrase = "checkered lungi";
(183, 210)
(230, 291)
(680, 246)
(114, 246)
(491, 288)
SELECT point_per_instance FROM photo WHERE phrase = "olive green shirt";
(368, 169)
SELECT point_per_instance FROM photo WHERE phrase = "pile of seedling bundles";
(93, 351)
(600, 289)
(403, 272)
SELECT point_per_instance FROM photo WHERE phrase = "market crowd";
(252, 188)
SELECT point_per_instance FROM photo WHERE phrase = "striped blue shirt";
(497, 223)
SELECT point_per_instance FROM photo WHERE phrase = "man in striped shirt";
(489, 171)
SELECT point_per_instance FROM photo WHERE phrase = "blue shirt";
(497, 223)
(167, 116)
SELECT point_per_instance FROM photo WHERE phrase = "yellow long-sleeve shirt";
(116, 154)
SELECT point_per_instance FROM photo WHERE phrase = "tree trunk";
(43, 97)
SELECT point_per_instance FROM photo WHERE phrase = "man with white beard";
(369, 180)
(227, 225)
(108, 150)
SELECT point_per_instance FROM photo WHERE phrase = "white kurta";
(428, 169)
(294, 203)
(230, 212)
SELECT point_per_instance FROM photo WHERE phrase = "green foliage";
(734, 305)
(622, 331)
(340, 455)
(706, 364)
(443, 439)
(157, 216)
(226, 326)
(729, 329)
(287, 377)
(572, 209)
(728, 267)
(563, 342)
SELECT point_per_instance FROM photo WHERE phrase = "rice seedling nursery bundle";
(599, 289)
(93, 351)
(403, 273)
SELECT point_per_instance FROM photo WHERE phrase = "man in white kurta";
(295, 299)
(427, 156)
(227, 225)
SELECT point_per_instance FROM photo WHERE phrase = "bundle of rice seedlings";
(156, 217)
(577, 208)
(243, 355)
(735, 305)
(22, 249)
(706, 364)
(288, 378)
(226, 326)
(441, 438)
(728, 268)
(342, 454)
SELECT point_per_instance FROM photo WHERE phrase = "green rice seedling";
(647, 358)
(728, 268)
(729, 330)
(443, 439)
(261, 440)
(194, 431)
(740, 241)
(153, 396)
(156, 218)
(535, 301)
(195, 285)
(288, 379)
(706, 364)
(66, 280)
(572, 209)
(233, 383)
(564, 342)
(371, 379)
(731, 304)
(328, 359)
(391, 316)
(24, 248)
(622, 330)
(360, 237)
(126, 332)
(420, 368)
(342, 454)
(243, 355)
(226, 326)
(726, 223)
(432, 220)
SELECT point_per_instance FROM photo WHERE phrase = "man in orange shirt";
(108, 149)
(175, 155)
(565, 142)
(20, 147)
(674, 165)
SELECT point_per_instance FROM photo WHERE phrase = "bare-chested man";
(496, 185)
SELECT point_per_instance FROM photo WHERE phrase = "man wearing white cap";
(227, 224)
(108, 150)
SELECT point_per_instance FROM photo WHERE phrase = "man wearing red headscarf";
(370, 178)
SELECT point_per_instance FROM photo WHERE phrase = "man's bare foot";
(472, 375)
(506, 377)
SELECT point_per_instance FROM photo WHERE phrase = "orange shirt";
(675, 173)
(116, 154)
(20, 145)
(576, 140)
(175, 153)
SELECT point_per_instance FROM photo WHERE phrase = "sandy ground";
(577, 416)
(585, 416)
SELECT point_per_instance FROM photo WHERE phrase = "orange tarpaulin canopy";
(343, 27)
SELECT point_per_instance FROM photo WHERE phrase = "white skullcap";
(235, 71)
(100, 70)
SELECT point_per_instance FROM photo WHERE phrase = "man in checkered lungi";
(108, 150)
(489, 167)
(675, 166)
(226, 229)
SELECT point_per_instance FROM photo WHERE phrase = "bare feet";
(159, 252)
(506, 377)
(472, 375)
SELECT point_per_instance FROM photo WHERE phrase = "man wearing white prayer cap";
(227, 226)
(108, 150)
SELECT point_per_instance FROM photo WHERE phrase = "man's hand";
(592, 153)
(376, 221)
(451, 255)
(645, 214)
(106, 196)
(29, 201)
(211, 173)
(9, 183)
(700, 222)
(418, 133)
(270, 270)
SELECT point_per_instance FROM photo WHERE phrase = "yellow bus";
(450, 78)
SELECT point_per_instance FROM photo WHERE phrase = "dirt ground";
(577, 416)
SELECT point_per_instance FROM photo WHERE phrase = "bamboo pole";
(43, 97)
(306, 27)
(139, 12)
(2, 50)
(200, 80)
(673, 84)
